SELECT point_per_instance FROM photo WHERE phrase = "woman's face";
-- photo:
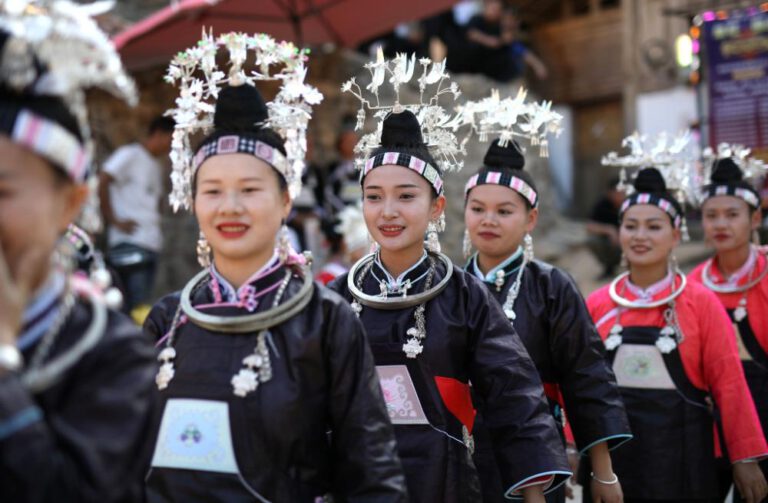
(397, 207)
(728, 222)
(647, 236)
(36, 206)
(497, 219)
(240, 208)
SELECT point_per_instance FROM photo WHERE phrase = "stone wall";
(116, 124)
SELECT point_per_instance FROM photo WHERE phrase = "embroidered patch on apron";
(195, 435)
(400, 395)
(641, 366)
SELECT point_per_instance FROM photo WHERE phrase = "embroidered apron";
(671, 456)
(211, 444)
(430, 440)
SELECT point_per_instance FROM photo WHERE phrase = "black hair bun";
(240, 109)
(649, 180)
(726, 171)
(510, 156)
(401, 130)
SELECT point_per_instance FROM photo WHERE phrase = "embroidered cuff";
(551, 481)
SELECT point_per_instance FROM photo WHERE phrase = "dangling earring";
(624, 263)
(673, 264)
(433, 241)
(203, 251)
(528, 247)
(64, 255)
(283, 244)
(756, 237)
(467, 245)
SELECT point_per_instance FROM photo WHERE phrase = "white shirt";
(135, 195)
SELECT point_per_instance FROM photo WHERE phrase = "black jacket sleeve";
(364, 447)
(593, 404)
(515, 413)
(82, 439)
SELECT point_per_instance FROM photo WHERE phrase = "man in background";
(130, 188)
(603, 229)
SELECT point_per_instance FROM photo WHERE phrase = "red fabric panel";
(457, 399)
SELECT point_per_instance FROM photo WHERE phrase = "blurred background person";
(603, 229)
(347, 240)
(130, 188)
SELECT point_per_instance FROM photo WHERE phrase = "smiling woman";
(673, 350)
(267, 386)
(434, 329)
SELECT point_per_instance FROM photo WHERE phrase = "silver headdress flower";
(672, 156)
(511, 118)
(289, 112)
(752, 168)
(437, 125)
(75, 55)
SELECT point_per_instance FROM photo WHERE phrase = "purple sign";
(737, 73)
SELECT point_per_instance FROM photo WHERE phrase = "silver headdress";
(753, 171)
(511, 118)
(673, 157)
(437, 125)
(75, 55)
(289, 112)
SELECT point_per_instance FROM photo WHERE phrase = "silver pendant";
(666, 344)
(613, 341)
(357, 308)
(739, 313)
(510, 314)
(413, 347)
(499, 282)
(244, 382)
(469, 440)
(166, 371)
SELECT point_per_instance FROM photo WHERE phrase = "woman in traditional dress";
(671, 346)
(267, 386)
(547, 310)
(738, 273)
(434, 330)
(75, 375)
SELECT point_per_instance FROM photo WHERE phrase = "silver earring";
(673, 264)
(528, 247)
(756, 237)
(283, 244)
(624, 263)
(433, 241)
(467, 245)
(203, 251)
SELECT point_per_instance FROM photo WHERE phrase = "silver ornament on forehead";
(199, 78)
(438, 124)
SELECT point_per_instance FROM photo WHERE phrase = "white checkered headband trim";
(426, 170)
(652, 199)
(749, 196)
(497, 178)
(52, 141)
(234, 144)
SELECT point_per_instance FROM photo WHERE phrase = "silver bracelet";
(606, 482)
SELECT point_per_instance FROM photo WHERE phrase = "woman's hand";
(534, 494)
(606, 493)
(605, 484)
(750, 482)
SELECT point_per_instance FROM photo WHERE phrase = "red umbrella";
(345, 22)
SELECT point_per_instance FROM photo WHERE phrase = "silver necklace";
(671, 334)
(417, 334)
(741, 310)
(39, 376)
(257, 365)
(514, 291)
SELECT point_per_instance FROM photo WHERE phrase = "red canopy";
(157, 38)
